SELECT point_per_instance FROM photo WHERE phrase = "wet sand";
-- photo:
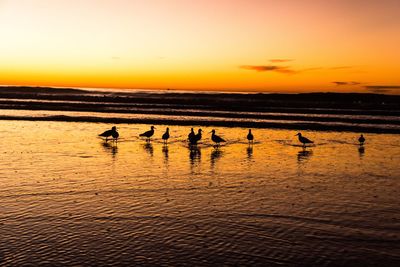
(69, 199)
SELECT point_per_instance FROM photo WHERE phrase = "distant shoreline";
(306, 111)
(199, 90)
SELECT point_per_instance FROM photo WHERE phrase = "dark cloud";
(280, 60)
(346, 83)
(340, 83)
(276, 68)
(382, 88)
(289, 70)
(270, 68)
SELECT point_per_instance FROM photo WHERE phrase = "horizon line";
(199, 90)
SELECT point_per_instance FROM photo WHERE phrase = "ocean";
(68, 198)
(315, 111)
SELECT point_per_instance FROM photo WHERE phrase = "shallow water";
(379, 123)
(363, 113)
(68, 199)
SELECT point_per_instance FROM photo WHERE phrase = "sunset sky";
(238, 45)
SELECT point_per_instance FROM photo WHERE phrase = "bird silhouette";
(361, 139)
(191, 136)
(165, 136)
(148, 134)
(198, 136)
(250, 137)
(113, 133)
(216, 139)
(304, 140)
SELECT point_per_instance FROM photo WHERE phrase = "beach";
(200, 133)
(67, 198)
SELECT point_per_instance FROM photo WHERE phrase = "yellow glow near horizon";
(182, 44)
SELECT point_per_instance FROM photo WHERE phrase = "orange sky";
(245, 45)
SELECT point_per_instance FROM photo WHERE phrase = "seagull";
(304, 140)
(250, 137)
(197, 137)
(148, 134)
(113, 133)
(194, 138)
(165, 136)
(191, 136)
(216, 138)
(361, 139)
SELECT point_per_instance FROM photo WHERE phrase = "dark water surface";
(370, 113)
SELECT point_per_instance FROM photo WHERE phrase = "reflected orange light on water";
(61, 183)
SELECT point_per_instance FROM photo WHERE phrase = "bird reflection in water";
(194, 155)
(249, 151)
(111, 148)
(361, 151)
(149, 148)
(215, 155)
(165, 152)
(303, 155)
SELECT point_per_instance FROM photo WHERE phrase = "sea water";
(68, 198)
